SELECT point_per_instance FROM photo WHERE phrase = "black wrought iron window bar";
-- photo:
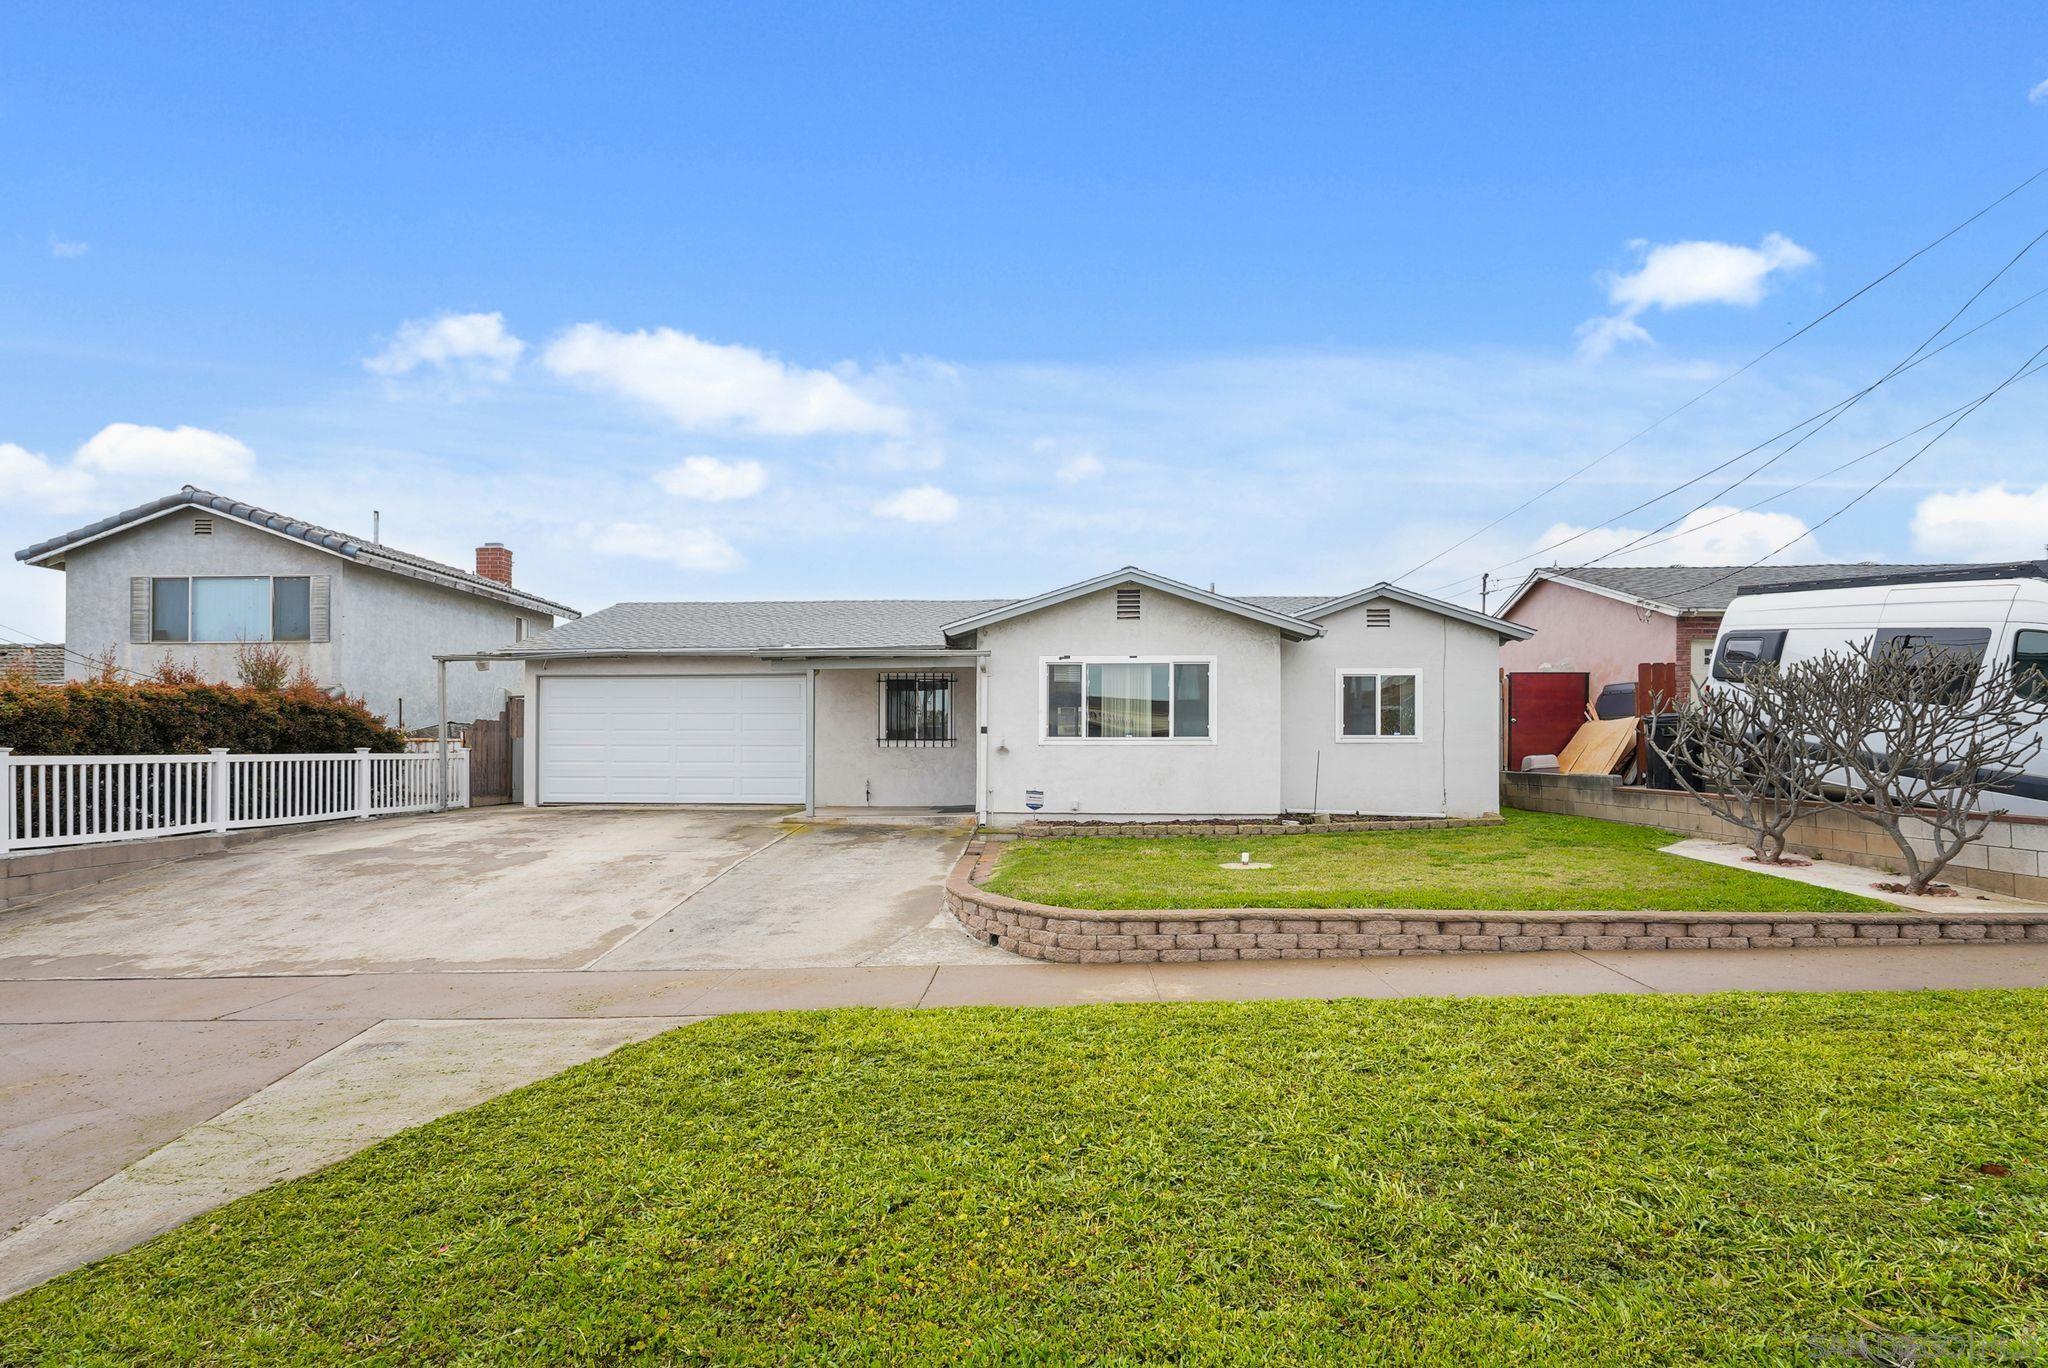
(916, 708)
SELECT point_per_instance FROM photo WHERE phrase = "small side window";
(2030, 665)
(1741, 652)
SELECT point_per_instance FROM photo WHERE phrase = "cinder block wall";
(38, 873)
(2011, 859)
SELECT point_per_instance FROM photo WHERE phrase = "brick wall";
(2011, 859)
(1692, 627)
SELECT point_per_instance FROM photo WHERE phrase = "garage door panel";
(672, 739)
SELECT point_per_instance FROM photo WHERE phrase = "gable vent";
(1127, 604)
(202, 527)
(1379, 617)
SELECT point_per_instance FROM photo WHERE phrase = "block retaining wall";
(31, 874)
(1180, 936)
(2012, 859)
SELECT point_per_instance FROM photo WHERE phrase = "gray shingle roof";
(361, 549)
(1711, 588)
(822, 624)
(745, 628)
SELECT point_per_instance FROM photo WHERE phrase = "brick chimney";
(493, 561)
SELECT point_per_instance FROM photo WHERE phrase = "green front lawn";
(1580, 1180)
(1535, 862)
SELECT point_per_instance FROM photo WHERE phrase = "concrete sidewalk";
(107, 1143)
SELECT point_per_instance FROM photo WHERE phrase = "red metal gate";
(1544, 708)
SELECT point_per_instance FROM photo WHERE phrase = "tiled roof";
(1711, 588)
(375, 554)
(44, 660)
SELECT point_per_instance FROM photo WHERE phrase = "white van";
(1992, 612)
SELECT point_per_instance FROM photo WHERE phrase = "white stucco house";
(193, 575)
(1125, 696)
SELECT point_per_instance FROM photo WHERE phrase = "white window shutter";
(138, 610)
(317, 615)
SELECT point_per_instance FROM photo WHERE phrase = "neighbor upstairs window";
(1376, 705)
(1128, 700)
(917, 709)
(232, 608)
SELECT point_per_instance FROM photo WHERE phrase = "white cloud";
(473, 345)
(30, 476)
(687, 548)
(1678, 275)
(713, 480)
(1993, 523)
(919, 504)
(2039, 94)
(1716, 535)
(700, 384)
(182, 453)
(1075, 469)
(65, 251)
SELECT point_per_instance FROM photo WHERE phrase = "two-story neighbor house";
(1126, 696)
(193, 575)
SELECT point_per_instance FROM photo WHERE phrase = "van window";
(2030, 665)
(1927, 643)
(1743, 651)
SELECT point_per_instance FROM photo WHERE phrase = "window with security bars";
(917, 709)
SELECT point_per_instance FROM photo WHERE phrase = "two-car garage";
(672, 738)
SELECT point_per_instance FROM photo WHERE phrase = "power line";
(1886, 478)
(1747, 365)
(1823, 416)
(94, 661)
(1831, 470)
(1911, 359)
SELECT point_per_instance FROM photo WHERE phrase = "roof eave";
(1293, 627)
(1514, 631)
(1633, 600)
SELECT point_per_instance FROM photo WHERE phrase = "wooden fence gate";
(495, 746)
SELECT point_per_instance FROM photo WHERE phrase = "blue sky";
(758, 300)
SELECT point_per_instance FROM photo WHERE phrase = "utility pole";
(1484, 580)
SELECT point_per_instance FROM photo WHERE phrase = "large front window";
(1376, 705)
(226, 608)
(1127, 700)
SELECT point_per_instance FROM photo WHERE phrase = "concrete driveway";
(510, 888)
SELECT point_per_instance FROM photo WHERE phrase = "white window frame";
(1045, 664)
(1379, 672)
(269, 608)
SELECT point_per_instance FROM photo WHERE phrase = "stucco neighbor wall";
(96, 593)
(1238, 773)
(392, 629)
(1577, 630)
(1451, 768)
(385, 628)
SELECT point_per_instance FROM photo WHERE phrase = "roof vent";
(202, 527)
(1127, 604)
(1379, 617)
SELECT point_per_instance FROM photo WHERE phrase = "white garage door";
(672, 739)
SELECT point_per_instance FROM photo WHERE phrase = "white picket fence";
(61, 800)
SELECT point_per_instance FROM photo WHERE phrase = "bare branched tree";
(1742, 753)
(1918, 737)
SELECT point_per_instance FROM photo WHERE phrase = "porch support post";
(811, 742)
(980, 743)
(441, 729)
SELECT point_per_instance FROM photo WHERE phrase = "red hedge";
(102, 718)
